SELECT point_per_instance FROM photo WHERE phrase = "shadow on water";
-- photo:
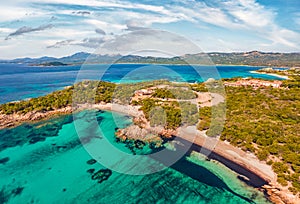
(202, 174)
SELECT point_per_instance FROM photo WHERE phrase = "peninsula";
(260, 133)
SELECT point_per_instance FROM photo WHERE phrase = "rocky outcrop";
(278, 195)
(136, 132)
(17, 118)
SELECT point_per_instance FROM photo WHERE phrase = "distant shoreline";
(271, 74)
(142, 63)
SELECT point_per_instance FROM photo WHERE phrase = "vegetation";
(54, 64)
(169, 117)
(265, 121)
(257, 58)
(212, 119)
(213, 86)
(124, 92)
(200, 87)
(189, 113)
(169, 114)
(292, 73)
(243, 58)
(163, 93)
(293, 82)
(83, 92)
(205, 118)
(183, 93)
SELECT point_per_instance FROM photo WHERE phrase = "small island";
(50, 64)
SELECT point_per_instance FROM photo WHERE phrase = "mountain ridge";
(254, 58)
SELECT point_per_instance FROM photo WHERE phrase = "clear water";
(45, 162)
(53, 169)
(19, 81)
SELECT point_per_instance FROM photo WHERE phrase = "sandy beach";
(270, 74)
(260, 174)
(257, 173)
(212, 144)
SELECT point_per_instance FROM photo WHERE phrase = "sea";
(51, 161)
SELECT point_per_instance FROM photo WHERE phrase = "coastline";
(271, 74)
(152, 63)
(252, 171)
(260, 174)
(13, 120)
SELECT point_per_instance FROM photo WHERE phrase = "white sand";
(271, 74)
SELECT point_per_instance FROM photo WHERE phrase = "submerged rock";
(36, 139)
(4, 195)
(91, 161)
(139, 144)
(90, 171)
(102, 175)
(17, 191)
(4, 160)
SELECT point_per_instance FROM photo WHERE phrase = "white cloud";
(230, 17)
(105, 25)
(6, 30)
(62, 33)
(250, 13)
(142, 41)
(10, 13)
(237, 15)
(285, 37)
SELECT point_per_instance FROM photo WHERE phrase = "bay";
(19, 81)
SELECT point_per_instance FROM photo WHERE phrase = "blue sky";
(33, 28)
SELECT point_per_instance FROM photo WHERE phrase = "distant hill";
(52, 63)
(255, 58)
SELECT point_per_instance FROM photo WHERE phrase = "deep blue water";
(18, 81)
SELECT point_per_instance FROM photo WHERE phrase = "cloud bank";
(217, 25)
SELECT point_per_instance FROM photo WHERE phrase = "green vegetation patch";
(82, 92)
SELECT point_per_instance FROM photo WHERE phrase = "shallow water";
(53, 168)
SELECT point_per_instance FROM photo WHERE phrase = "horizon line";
(118, 54)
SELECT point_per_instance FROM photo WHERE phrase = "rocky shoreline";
(141, 130)
(15, 119)
(12, 120)
(232, 157)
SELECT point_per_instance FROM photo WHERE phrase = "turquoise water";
(47, 163)
(18, 81)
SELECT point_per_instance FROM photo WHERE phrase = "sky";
(35, 28)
